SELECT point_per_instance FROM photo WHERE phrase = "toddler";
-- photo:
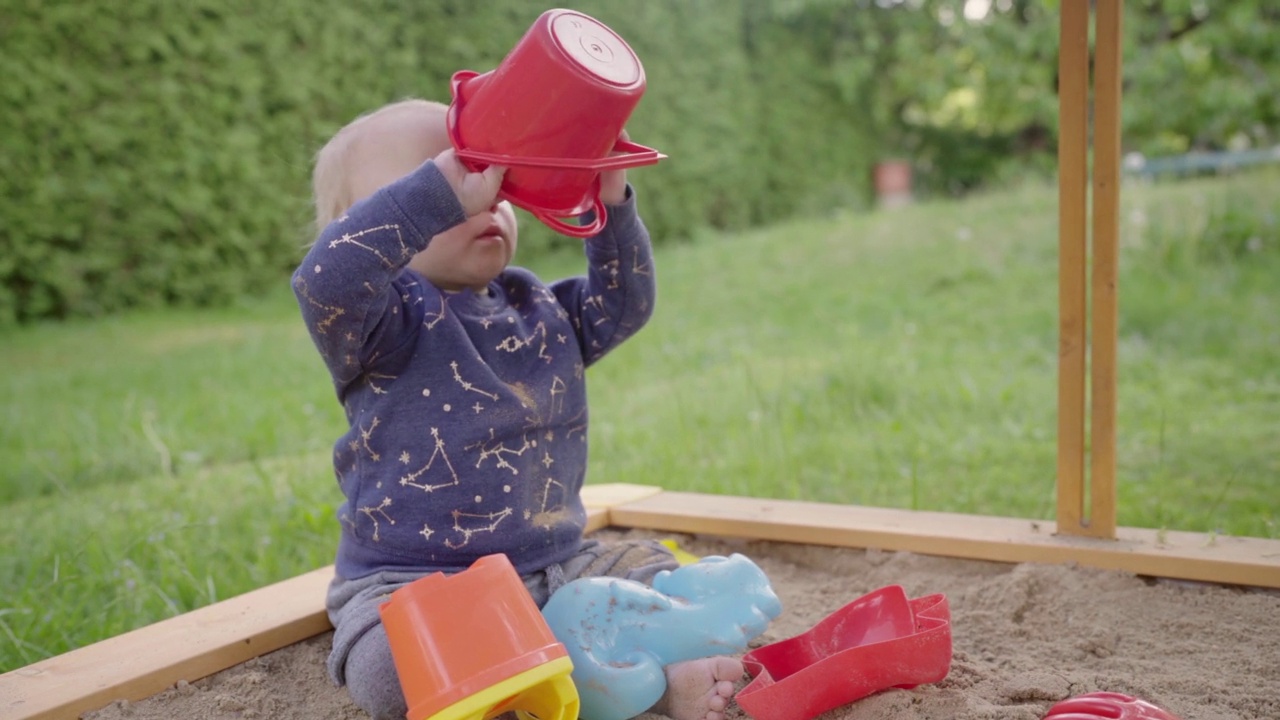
(462, 378)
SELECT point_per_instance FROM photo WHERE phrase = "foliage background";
(156, 153)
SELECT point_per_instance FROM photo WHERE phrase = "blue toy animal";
(621, 633)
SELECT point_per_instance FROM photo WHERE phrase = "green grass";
(157, 462)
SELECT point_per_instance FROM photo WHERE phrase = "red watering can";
(552, 113)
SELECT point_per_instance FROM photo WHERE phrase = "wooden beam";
(1073, 140)
(190, 646)
(1106, 259)
(143, 662)
(1183, 555)
(605, 496)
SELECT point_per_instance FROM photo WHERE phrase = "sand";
(1025, 636)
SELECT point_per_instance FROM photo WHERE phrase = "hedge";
(158, 152)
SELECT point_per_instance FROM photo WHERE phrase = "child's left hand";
(613, 183)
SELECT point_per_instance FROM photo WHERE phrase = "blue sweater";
(468, 411)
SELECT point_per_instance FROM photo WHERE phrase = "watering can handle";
(578, 231)
(635, 156)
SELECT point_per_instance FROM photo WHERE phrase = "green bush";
(158, 153)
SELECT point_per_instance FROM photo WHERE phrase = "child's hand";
(613, 183)
(476, 192)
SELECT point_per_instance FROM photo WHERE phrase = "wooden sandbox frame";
(197, 644)
(141, 663)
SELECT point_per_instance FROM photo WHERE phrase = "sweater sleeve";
(346, 284)
(616, 296)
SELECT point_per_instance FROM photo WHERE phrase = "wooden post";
(1106, 231)
(1088, 324)
(1073, 140)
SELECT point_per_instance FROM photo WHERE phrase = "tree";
(964, 86)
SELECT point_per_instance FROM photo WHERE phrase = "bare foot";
(699, 689)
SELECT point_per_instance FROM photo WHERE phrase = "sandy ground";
(1025, 636)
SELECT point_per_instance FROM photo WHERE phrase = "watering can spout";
(465, 83)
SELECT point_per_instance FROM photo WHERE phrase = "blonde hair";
(330, 178)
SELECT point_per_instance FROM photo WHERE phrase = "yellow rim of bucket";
(477, 705)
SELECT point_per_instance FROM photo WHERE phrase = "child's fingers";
(613, 183)
(450, 165)
(480, 190)
(493, 178)
(476, 192)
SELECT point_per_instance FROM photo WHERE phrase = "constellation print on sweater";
(544, 296)
(357, 240)
(557, 392)
(438, 453)
(514, 343)
(363, 442)
(373, 512)
(431, 319)
(550, 513)
(373, 385)
(499, 450)
(457, 377)
(330, 314)
(478, 522)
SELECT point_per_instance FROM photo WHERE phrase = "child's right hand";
(476, 192)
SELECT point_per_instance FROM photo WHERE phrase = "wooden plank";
(1183, 555)
(143, 662)
(1073, 104)
(607, 495)
(1106, 260)
(597, 517)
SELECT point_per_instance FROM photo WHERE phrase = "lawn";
(156, 462)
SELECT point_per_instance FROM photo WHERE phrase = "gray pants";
(361, 656)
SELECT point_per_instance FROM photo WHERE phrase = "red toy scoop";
(879, 641)
(1107, 706)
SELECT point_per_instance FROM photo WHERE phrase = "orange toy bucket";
(458, 637)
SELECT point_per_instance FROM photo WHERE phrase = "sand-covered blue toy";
(621, 633)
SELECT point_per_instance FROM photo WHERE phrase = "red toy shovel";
(1107, 706)
(879, 641)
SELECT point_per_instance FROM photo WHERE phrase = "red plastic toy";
(879, 641)
(1107, 706)
(552, 113)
